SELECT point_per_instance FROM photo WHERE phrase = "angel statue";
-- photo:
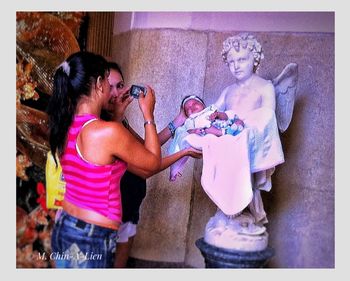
(237, 166)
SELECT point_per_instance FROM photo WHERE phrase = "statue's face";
(241, 63)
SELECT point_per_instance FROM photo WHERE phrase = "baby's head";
(192, 104)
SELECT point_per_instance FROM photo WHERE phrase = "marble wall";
(301, 204)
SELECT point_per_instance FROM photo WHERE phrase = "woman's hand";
(147, 103)
(192, 152)
(121, 102)
(180, 118)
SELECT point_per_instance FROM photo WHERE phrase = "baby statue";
(201, 120)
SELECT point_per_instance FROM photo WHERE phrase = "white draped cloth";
(236, 168)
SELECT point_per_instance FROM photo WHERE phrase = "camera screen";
(135, 91)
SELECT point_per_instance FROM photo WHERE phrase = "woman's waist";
(90, 216)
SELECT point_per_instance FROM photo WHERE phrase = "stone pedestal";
(225, 258)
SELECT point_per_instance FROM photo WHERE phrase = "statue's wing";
(285, 87)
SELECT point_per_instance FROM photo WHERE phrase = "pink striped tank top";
(91, 186)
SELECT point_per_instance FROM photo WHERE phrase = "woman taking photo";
(94, 155)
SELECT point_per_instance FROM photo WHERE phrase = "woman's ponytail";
(61, 109)
(73, 79)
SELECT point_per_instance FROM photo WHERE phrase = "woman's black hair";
(116, 67)
(73, 79)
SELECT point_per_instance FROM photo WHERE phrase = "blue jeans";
(78, 244)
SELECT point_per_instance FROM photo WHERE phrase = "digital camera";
(136, 89)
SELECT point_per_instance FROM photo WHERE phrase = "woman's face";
(117, 87)
(192, 106)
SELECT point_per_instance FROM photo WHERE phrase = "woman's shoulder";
(104, 128)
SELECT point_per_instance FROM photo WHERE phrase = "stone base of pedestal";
(224, 258)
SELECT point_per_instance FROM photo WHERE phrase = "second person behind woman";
(133, 185)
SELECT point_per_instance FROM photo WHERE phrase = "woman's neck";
(88, 107)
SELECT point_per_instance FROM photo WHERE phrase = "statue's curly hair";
(244, 40)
